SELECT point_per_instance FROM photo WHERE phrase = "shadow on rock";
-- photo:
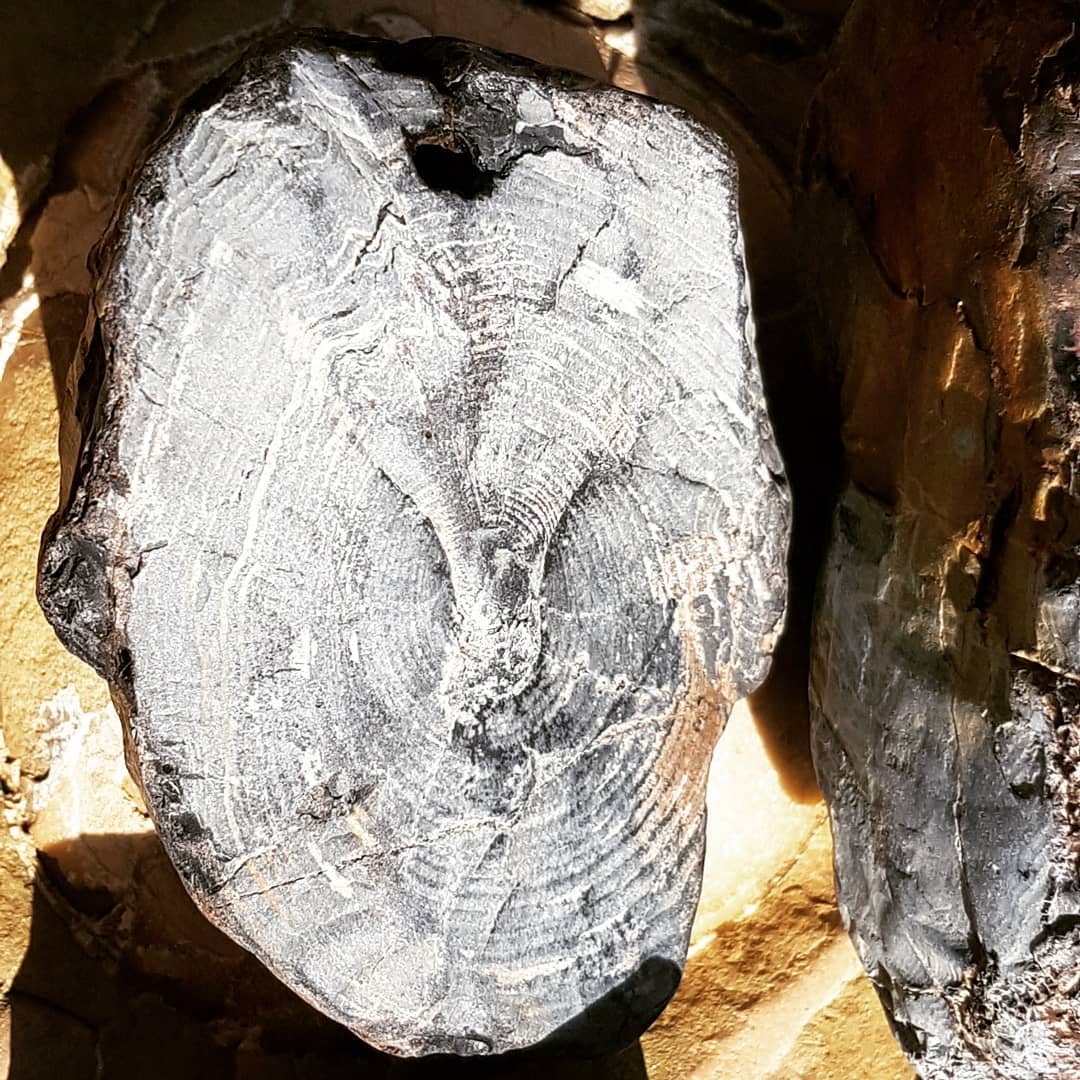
(134, 982)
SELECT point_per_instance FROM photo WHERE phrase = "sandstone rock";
(9, 209)
(427, 526)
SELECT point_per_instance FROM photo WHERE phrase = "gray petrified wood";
(946, 649)
(427, 523)
(951, 857)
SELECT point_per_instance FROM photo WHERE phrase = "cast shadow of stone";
(129, 981)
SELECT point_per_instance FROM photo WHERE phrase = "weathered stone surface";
(942, 246)
(765, 922)
(427, 525)
(752, 923)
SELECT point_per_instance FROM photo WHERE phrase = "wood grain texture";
(426, 525)
(945, 667)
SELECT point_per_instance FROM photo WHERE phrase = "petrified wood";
(426, 525)
(946, 668)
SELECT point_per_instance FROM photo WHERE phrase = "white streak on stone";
(610, 287)
(23, 310)
(334, 879)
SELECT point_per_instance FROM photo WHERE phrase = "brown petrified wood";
(426, 525)
(940, 212)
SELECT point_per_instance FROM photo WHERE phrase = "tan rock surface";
(9, 207)
(769, 962)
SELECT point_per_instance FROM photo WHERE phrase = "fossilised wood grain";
(945, 674)
(426, 526)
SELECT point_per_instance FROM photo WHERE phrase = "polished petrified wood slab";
(426, 524)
